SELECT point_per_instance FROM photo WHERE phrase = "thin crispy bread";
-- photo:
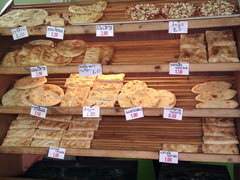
(223, 54)
(28, 82)
(44, 143)
(17, 141)
(192, 41)
(220, 140)
(78, 135)
(75, 143)
(53, 125)
(84, 125)
(48, 134)
(220, 148)
(190, 148)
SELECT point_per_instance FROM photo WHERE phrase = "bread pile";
(136, 93)
(28, 91)
(215, 94)
(54, 131)
(187, 148)
(219, 136)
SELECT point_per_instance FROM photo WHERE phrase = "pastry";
(193, 55)
(192, 41)
(21, 124)
(220, 148)
(29, 82)
(220, 140)
(231, 104)
(48, 134)
(167, 99)
(190, 148)
(84, 125)
(75, 143)
(220, 38)
(53, 125)
(78, 135)
(24, 133)
(44, 143)
(223, 54)
(16, 141)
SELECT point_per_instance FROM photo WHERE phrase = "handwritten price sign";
(90, 69)
(57, 153)
(168, 157)
(104, 31)
(178, 27)
(133, 113)
(38, 111)
(19, 33)
(91, 111)
(39, 71)
(173, 113)
(55, 32)
(179, 68)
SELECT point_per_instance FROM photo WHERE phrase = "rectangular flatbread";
(223, 54)
(84, 125)
(77, 82)
(20, 124)
(24, 133)
(75, 143)
(191, 148)
(220, 148)
(228, 104)
(220, 38)
(48, 134)
(104, 95)
(193, 55)
(218, 131)
(82, 78)
(17, 141)
(26, 117)
(222, 122)
(54, 117)
(80, 118)
(44, 143)
(189, 41)
(107, 54)
(92, 55)
(220, 140)
(111, 78)
(53, 125)
(107, 86)
(100, 102)
(78, 135)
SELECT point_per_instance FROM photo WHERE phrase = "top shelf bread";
(126, 15)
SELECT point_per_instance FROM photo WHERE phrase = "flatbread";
(132, 86)
(230, 104)
(80, 118)
(111, 78)
(218, 131)
(75, 19)
(53, 125)
(44, 143)
(216, 95)
(22, 57)
(34, 56)
(211, 85)
(190, 148)
(220, 38)
(29, 82)
(9, 19)
(92, 55)
(223, 54)
(24, 133)
(167, 99)
(24, 124)
(54, 117)
(82, 78)
(192, 41)
(107, 55)
(104, 95)
(75, 143)
(220, 140)
(22, 98)
(124, 100)
(77, 82)
(71, 48)
(221, 122)
(100, 102)
(148, 97)
(8, 97)
(55, 20)
(193, 55)
(16, 141)
(46, 95)
(41, 42)
(10, 58)
(84, 125)
(220, 148)
(48, 134)
(78, 135)
(107, 86)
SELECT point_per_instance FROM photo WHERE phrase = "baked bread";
(84, 125)
(221, 122)
(55, 20)
(44, 143)
(28, 82)
(24, 124)
(8, 97)
(53, 125)
(193, 55)
(24, 133)
(107, 86)
(54, 117)
(192, 41)
(75, 143)
(220, 148)
(100, 102)
(124, 100)
(230, 104)
(78, 135)
(92, 55)
(220, 140)
(132, 86)
(220, 38)
(107, 54)
(218, 131)
(104, 95)
(17, 141)
(10, 58)
(167, 99)
(223, 54)
(190, 148)
(48, 134)
(111, 78)
(75, 19)
(41, 42)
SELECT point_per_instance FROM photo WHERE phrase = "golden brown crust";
(28, 82)
(222, 122)
(191, 148)
(78, 135)
(220, 140)
(53, 125)
(75, 143)
(18, 124)
(84, 125)
(24, 133)
(17, 141)
(107, 86)
(44, 143)
(48, 134)
(220, 148)
(218, 131)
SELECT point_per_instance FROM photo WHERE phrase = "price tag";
(55, 32)
(179, 68)
(173, 113)
(91, 111)
(90, 69)
(134, 113)
(38, 111)
(39, 71)
(178, 27)
(19, 33)
(104, 31)
(168, 157)
(57, 153)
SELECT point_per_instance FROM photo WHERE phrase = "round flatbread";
(132, 86)
(29, 82)
(124, 100)
(25, 95)
(167, 99)
(18, 98)
(9, 19)
(147, 97)
(231, 104)
(9, 58)
(22, 57)
(46, 95)
(35, 56)
(41, 42)
(8, 98)
(71, 48)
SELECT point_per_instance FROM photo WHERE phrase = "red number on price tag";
(134, 115)
(179, 71)
(39, 73)
(37, 113)
(54, 34)
(55, 155)
(168, 159)
(172, 116)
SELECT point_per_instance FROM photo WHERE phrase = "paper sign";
(38, 111)
(178, 27)
(55, 32)
(173, 113)
(179, 68)
(104, 31)
(134, 113)
(19, 33)
(168, 157)
(39, 71)
(57, 153)
(91, 111)
(90, 69)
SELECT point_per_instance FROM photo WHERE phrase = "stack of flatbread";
(221, 46)
(193, 48)
(219, 136)
(215, 94)
(137, 93)
(28, 91)
(188, 148)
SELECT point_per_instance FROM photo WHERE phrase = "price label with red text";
(57, 153)
(168, 157)
(55, 32)
(19, 33)
(91, 111)
(178, 27)
(179, 68)
(90, 69)
(39, 71)
(104, 31)
(173, 113)
(38, 111)
(134, 113)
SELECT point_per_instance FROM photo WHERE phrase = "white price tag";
(91, 111)
(39, 71)
(90, 69)
(168, 157)
(179, 68)
(38, 111)
(178, 27)
(104, 31)
(134, 113)
(55, 32)
(173, 113)
(57, 153)
(19, 33)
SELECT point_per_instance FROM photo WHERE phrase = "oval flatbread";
(211, 85)
(8, 98)
(71, 48)
(76, 19)
(29, 82)
(22, 57)
(124, 100)
(43, 42)
(231, 104)
(46, 95)
(216, 95)
(132, 86)
(9, 58)
(167, 99)
(148, 97)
